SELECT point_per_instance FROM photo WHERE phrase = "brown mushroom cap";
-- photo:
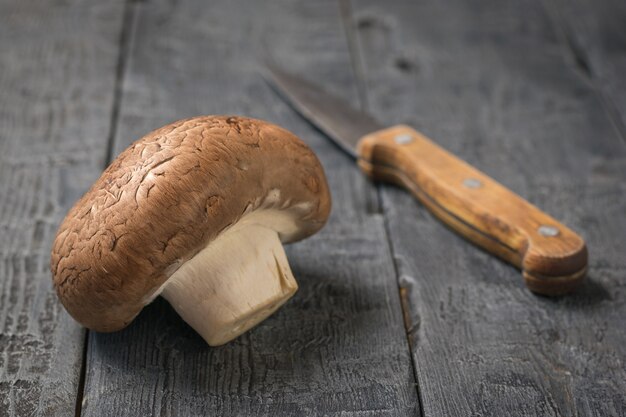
(168, 196)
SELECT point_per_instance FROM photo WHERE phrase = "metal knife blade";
(344, 124)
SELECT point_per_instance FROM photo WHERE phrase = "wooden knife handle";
(553, 258)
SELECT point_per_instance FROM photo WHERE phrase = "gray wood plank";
(595, 31)
(493, 82)
(339, 346)
(57, 71)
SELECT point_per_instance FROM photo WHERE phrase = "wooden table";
(396, 315)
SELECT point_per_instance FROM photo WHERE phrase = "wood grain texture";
(478, 207)
(57, 70)
(338, 347)
(493, 83)
(595, 32)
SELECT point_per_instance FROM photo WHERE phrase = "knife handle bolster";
(553, 258)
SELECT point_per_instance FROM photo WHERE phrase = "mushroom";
(196, 211)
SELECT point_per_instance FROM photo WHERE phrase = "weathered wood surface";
(595, 31)
(57, 72)
(494, 83)
(339, 346)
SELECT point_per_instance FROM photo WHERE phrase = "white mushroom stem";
(236, 282)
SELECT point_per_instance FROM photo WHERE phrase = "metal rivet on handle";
(548, 231)
(472, 183)
(403, 139)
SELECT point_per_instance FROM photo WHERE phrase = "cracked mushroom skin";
(196, 211)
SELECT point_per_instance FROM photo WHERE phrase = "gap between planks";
(356, 60)
(125, 40)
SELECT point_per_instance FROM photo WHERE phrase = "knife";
(553, 258)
